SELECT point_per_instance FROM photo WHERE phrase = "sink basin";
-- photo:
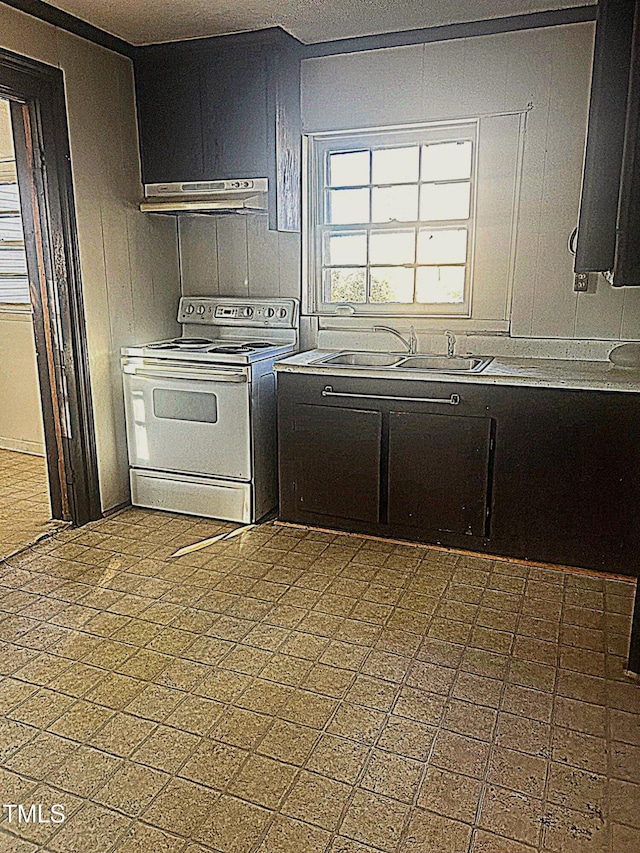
(441, 364)
(363, 359)
(400, 361)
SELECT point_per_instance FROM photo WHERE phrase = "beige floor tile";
(580, 750)
(464, 718)
(450, 794)
(141, 838)
(233, 826)
(338, 758)
(214, 764)
(518, 771)
(573, 832)
(512, 814)
(406, 737)
(93, 829)
(292, 836)
(231, 700)
(121, 734)
(393, 776)
(131, 788)
(430, 831)
(374, 820)
(263, 781)
(459, 753)
(181, 807)
(166, 749)
(317, 800)
(418, 705)
(288, 742)
(626, 839)
(25, 512)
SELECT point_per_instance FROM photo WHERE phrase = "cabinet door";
(338, 462)
(234, 114)
(168, 96)
(439, 472)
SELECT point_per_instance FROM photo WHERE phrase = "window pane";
(347, 207)
(445, 201)
(391, 284)
(442, 161)
(440, 284)
(392, 247)
(395, 165)
(395, 203)
(345, 249)
(442, 247)
(346, 285)
(349, 169)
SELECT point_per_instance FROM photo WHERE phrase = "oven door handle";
(207, 375)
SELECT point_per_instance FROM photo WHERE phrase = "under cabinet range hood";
(236, 196)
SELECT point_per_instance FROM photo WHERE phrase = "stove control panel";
(226, 311)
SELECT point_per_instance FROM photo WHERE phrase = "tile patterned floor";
(298, 692)
(24, 500)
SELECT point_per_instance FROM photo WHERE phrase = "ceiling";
(149, 21)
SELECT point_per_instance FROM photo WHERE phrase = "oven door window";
(194, 406)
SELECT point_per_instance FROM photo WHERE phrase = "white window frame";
(316, 146)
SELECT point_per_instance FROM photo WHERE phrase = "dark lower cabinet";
(548, 475)
(439, 469)
(337, 469)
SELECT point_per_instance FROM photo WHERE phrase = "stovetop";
(211, 350)
(246, 331)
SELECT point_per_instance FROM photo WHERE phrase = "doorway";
(25, 506)
(49, 397)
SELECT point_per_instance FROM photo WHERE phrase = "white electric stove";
(200, 409)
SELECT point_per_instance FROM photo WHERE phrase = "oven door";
(188, 417)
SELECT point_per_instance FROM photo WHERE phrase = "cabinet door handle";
(451, 400)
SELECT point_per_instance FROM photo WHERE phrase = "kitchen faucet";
(411, 342)
(451, 344)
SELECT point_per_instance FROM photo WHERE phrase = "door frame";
(43, 159)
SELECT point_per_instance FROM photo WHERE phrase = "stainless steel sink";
(442, 364)
(363, 359)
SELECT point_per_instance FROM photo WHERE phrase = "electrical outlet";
(581, 282)
(585, 282)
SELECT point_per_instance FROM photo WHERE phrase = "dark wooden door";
(439, 472)
(234, 113)
(338, 462)
(169, 117)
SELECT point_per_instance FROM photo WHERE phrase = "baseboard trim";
(33, 448)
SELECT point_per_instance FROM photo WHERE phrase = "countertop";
(537, 372)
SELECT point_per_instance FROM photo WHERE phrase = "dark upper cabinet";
(169, 118)
(233, 103)
(224, 108)
(608, 239)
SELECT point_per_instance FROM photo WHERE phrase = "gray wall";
(544, 73)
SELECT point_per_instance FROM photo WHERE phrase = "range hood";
(237, 196)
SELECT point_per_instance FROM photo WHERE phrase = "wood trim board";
(41, 140)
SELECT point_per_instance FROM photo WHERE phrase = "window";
(390, 220)
(14, 283)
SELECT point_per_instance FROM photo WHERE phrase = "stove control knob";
(247, 312)
(282, 313)
(201, 309)
(270, 312)
(190, 309)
